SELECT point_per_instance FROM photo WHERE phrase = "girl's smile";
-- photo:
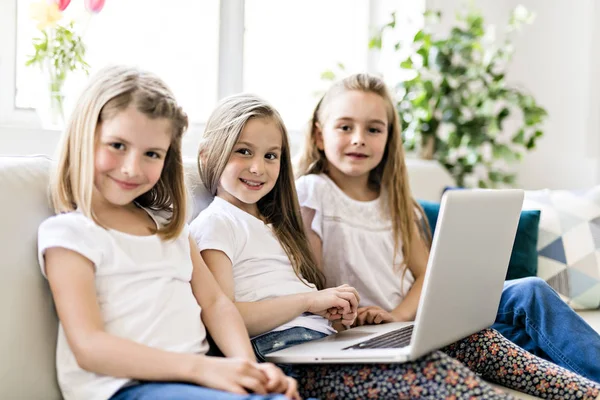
(357, 156)
(251, 184)
(125, 185)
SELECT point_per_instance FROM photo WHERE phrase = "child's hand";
(339, 303)
(346, 320)
(373, 315)
(235, 375)
(278, 382)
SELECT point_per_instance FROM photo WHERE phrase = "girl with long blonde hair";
(134, 298)
(366, 229)
(251, 237)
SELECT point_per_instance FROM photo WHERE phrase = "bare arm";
(308, 214)
(219, 314)
(419, 254)
(265, 315)
(71, 278)
(260, 316)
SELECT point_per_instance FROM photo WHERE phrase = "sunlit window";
(176, 39)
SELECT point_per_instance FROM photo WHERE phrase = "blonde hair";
(280, 206)
(109, 92)
(389, 177)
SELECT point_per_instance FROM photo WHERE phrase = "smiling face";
(253, 166)
(353, 134)
(129, 156)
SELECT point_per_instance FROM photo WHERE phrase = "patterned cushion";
(569, 243)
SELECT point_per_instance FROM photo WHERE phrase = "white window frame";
(10, 115)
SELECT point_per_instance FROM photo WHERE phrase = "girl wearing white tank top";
(252, 239)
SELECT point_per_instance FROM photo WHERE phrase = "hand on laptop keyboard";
(373, 315)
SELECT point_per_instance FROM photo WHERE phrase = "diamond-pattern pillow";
(569, 243)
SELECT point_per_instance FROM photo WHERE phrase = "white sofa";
(29, 323)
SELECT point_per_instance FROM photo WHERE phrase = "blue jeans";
(183, 391)
(533, 316)
(280, 340)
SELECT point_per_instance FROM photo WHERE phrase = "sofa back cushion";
(29, 324)
(198, 196)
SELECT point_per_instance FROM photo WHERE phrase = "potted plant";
(455, 105)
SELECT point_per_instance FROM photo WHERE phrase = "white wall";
(555, 60)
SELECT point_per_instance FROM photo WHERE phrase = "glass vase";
(50, 102)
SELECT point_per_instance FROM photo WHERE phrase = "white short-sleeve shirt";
(261, 268)
(358, 242)
(143, 290)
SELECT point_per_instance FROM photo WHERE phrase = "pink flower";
(94, 6)
(62, 4)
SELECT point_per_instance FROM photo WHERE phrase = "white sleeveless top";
(358, 243)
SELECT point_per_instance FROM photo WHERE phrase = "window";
(178, 40)
(284, 57)
(278, 48)
(288, 45)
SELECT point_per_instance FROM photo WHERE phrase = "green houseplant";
(455, 106)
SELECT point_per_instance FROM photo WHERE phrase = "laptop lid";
(467, 265)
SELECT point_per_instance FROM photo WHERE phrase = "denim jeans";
(533, 316)
(183, 391)
(280, 340)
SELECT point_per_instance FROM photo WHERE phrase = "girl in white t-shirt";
(252, 239)
(133, 296)
(365, 230)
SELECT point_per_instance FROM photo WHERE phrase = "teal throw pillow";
(524, 258)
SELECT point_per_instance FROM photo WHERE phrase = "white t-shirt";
(143, 290)
(261, 268)
(358, 242)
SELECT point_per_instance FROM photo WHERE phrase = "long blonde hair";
(109, 92)
(389, 177)
(280, 206)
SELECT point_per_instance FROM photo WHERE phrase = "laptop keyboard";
(391, 340)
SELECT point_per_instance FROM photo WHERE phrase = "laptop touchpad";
(350, 334)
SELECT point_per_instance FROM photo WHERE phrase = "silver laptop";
(463, 283)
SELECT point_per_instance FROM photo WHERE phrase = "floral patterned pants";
(455, 372)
